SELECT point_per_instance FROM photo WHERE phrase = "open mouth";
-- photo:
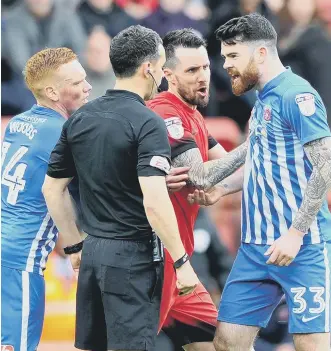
(203, 91)
(234, 77)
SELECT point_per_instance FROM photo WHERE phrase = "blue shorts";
(254, 289)
(22, 308)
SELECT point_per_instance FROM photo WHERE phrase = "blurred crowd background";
(304, 37)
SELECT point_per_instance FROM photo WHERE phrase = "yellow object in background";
(59, 324)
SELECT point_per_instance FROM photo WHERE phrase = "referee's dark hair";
(131, 47)
(185, 38)
(247, 29)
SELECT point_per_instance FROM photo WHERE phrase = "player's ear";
(51, 93)
(168, 74)
(146, 69)
(261, 54)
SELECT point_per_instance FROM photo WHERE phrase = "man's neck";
(174, 92)
(270, 71)
(54, 106)
(131, 84)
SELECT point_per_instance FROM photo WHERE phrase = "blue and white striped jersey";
(288, 113)
(28, 232)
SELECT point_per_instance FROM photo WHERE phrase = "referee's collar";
(126, 94)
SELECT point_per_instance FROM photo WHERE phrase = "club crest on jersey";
(267, 113)
(306, 103)
(175, 127)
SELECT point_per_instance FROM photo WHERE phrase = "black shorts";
(118, 296)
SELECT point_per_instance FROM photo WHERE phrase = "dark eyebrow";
(192, 67)
(230, 54)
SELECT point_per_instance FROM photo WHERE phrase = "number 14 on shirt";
(13, 172)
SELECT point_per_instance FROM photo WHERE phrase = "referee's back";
(112, 142)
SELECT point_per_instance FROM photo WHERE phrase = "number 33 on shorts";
(309, 303)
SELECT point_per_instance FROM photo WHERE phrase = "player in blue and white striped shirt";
(286, 226)
(57, 80)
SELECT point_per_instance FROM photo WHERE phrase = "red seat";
(225, 130)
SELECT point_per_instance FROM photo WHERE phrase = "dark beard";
(192, 99)
(246, 81)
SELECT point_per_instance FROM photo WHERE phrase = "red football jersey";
(186, 130)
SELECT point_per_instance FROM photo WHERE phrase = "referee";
(119, 151)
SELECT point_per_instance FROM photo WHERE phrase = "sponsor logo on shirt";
(175, 127)
(161, 163)
(306, 103)
(33, 119)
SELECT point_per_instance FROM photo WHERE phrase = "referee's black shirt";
(108, 143)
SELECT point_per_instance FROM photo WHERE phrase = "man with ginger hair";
(58, 82)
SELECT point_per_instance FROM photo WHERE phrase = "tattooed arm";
(205, 175)
(319, 154)
(234, 182)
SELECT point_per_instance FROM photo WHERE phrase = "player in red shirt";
(190, 321)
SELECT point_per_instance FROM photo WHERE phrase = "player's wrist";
(297, 232)
(72, 249)
(221, 189)
(181, 261)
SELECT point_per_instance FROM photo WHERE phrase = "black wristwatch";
(181, 261)
(73, 248)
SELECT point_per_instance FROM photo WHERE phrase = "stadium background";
(304, 30)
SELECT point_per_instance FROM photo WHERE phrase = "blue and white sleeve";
(306, 115)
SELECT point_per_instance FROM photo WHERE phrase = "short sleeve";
(211, 142)
(153, 148)
(179, 135)
(306, 115)
(61, 163)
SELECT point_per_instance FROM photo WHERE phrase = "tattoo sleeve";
(206, 175)
(319, 154)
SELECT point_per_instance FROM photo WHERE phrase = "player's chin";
(202, 101)
(238, 91)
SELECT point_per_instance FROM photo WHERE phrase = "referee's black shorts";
(118, 296)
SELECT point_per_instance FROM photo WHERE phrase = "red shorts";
(196, 310)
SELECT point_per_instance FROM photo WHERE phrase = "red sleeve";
(179, 133)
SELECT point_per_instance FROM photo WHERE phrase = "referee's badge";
(267, 113)
(306, 103)
(161, 163)
(175, 127)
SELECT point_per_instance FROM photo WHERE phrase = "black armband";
(181, 261)
(73, 248)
